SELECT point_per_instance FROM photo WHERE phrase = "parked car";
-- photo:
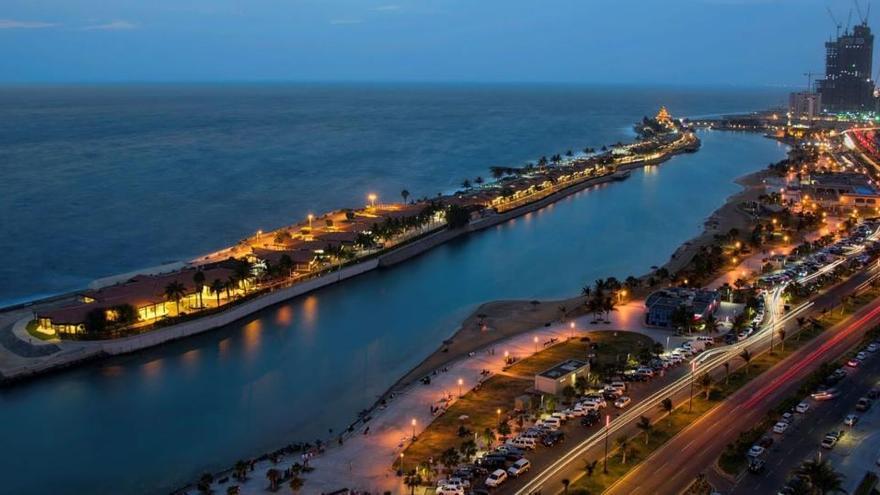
(830, 440)
(590, 419)
(756, 451)
(802, 408)
(553, 438)
(825, 394)
(853, 363)
(519, 467)
(497, 477)
(780, 427)
(863, 404)
(851, 420)
(874, 393)
(622, 402)
(756, 466)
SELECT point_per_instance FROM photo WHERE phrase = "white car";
(622, 402)
(755, 451)
(802, 407)
(519, 467)
(851, 420)
(873, 347)
(780, 427)
(496, 478)
(862, 356)
(449, 490)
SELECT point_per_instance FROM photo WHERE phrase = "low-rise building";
(663, 305)
(553, 380)
(844, 190)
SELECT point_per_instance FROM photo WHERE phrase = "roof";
(563, 368)
(273, 256)
(138, 291)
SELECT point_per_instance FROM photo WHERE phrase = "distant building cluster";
(665, 305)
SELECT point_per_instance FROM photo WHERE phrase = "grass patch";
(611, 348)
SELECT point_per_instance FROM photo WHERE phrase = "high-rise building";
(847, 85)
(804, 105)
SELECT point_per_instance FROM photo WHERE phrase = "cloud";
(13, 24)
(387, 8)
(340, 22)
(117, 25)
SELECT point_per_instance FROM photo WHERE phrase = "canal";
(150, 422)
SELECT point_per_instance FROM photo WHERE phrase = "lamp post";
(414, 429)
(372, 198)
(460, 383)
(693, 372)
(536, 343)
(667, 343)
(571, 326)
(310, 221)
(605, 461)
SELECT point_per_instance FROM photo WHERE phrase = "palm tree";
(240, 469)
(230, 284)
(822, 476)
(273, 475)
(199, 280)
(405, 195)
(296, 484)
(645, 425)
(712, 324)
(174, 291)
(622, 443)
(216, 288)
(412, 480)
(565, 483)
(590, 466)
(706, 383)
(233, 490)
(726, 372)
(781, 334)
(746, 356)
(608, 306)
(466, 184)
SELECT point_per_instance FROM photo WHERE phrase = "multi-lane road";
(548, 476)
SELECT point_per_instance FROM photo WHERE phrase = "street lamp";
(460, 383)
(310, 221)
(605, 462)
(693, 372)
(372, 198)
(414, 429)
(536, 343)
(571, 326)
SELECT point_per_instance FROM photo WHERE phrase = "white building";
(555, 379)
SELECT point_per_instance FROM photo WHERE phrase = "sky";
(714, 42)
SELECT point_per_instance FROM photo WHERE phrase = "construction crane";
(810, 75)
(862, 18)
(834, 20)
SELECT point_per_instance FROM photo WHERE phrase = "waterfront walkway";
(364, 461)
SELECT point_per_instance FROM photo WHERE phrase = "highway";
(674, 466)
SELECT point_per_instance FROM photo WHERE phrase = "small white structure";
(555, 379)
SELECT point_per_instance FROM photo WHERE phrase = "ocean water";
(104, 180)
(152, 421)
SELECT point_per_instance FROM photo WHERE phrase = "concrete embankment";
(89, 351)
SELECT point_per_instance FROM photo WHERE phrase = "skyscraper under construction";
(848, 85)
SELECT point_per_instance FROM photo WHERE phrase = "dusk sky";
(719, 42)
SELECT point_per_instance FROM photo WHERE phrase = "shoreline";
(512, 317)
(84, 352)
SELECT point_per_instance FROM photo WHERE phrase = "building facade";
(848, 86)
(566, 373)
(804, 105)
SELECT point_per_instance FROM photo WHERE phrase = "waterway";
(149, 422)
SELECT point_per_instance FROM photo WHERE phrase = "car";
(802, 408)
(851, 420)
(873, 347)
(874, 393)
(780, 427)
(497, 477)
(756, 451)
(830, 440)
(553, 438)
(519, 467)
(853, 363)
(765, 442)
(756, 466)
(449, 490)
(825, 394)
(490, 461)
(787, 417)
(863, 404)
(622, 402)
(452, 485)
(590, 420)
(862, 356)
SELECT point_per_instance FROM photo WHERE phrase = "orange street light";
(460, 383)
(536, 343)
(414, 429)
(311, 217)
(372, 198)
